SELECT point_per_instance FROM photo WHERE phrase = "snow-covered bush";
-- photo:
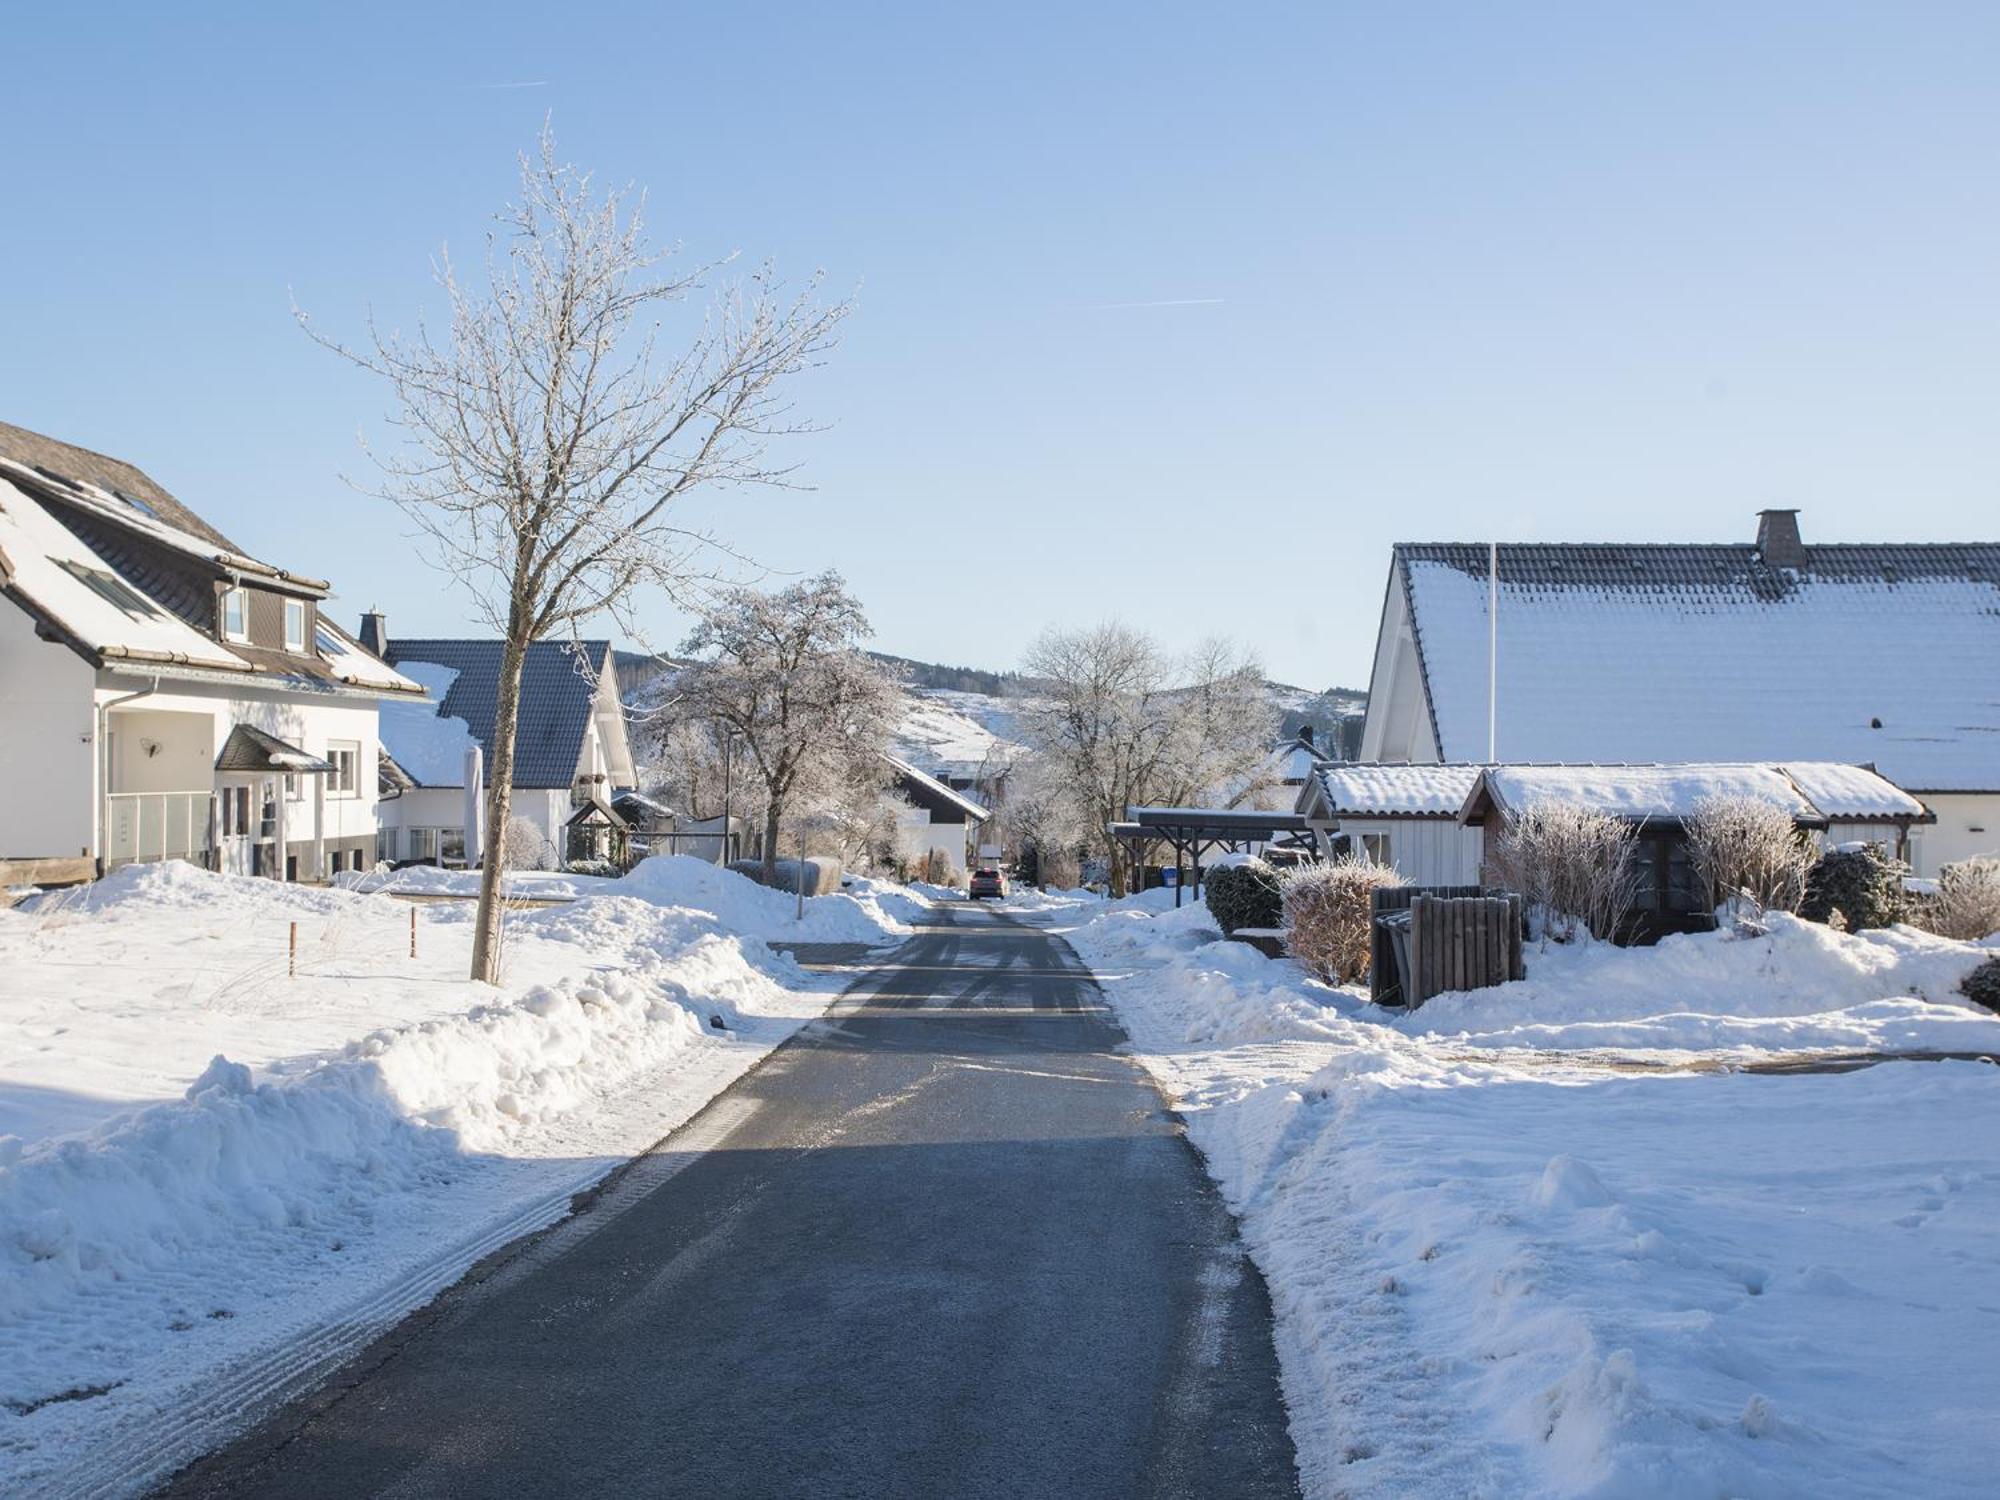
(1244, 895)
(522, 847)
(1982, 985)
(1966, 904)
(1748, 850)
(1861, 883)
(1327, 916)
(607, 869)
(1573, 869)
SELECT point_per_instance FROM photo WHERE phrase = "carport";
(1195, 833)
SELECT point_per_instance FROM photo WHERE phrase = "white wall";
(48, 728)
(1424, 851)
(444, 807)
(1967, 826)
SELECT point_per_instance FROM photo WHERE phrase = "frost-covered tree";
(1125, 724)
(785, 671)
(550, 429)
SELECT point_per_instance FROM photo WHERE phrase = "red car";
(986, 882)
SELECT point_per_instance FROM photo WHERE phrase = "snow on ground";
(1549, 1240)
(203, 1160)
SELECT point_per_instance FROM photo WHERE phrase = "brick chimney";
(1778, 544)
(374, 632)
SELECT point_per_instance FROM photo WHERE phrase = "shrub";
(603, 867)
(1967, 902)
(1861, 883)
(1244, 895)
(522, 847)
(1327, 917)
(1748, 850)
(821, 874)
(1573, 868)
(1982, 985)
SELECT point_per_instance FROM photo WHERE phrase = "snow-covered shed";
(1772, 650)
(164, 695)
(1403, 816)
(571, 743)
(1836, 803)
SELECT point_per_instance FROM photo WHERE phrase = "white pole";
(1492, 653)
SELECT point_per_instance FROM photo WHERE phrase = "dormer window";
(236, 614)
(295, 625)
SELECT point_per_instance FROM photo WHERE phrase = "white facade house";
(934, 818)
(164, 695)
(1404, 817)
(1873, 655)
(572, 748)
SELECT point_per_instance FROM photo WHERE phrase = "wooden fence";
(1458, 939)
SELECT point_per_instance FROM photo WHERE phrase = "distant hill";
(930, 674)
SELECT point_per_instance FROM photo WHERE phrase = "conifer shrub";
(1244, 895)
(1859, 882)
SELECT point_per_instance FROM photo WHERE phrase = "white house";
(1879, 655)
(162, 693)
(937, 819)
(572, 750)
(1403, 816)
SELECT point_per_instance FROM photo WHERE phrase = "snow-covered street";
(219, 1177)
(1553, 1239)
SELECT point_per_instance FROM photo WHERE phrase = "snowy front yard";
(214, 1177)
(1551, 1240)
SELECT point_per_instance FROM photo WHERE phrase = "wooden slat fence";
(1459, 939)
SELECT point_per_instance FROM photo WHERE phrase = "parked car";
(987, 882)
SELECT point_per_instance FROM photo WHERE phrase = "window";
(236, 614)
(235, 812)
(295, 625)
(110, 587)
(451, 846)
(344, 780)
(1376, 847)
(295, 787)
(423, 845)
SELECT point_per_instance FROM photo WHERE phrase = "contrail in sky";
(1166, 302)
(533, 83)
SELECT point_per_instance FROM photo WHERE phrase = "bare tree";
(547, 435)
(1126, 725)
(1573, 868)
(786, 672)
(1041, 813)
(1749, 854)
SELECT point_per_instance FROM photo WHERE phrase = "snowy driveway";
(947, 1241)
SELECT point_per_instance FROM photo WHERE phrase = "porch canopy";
(252, 750)
(1196, 832)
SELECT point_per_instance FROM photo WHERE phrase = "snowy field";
(1553, 1240)
(216, 1178)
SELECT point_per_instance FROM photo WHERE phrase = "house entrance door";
(246, 817)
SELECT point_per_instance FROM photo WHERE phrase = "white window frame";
(344, 780)
(240, 597)
(295, 609)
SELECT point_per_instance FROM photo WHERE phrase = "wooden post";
(292, 958)
(413, 929)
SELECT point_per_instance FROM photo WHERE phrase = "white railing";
(156, 825)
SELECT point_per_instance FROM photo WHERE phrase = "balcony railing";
(144, 826)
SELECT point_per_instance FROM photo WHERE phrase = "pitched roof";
(932, 792)
(1879, 654)
(251, 749)
(1813, 793)
(557, 694)
(130, 485)
(1358, 790)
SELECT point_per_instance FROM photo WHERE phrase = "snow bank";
(378, 1121)
(1503, 1263)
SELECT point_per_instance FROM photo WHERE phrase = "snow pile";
(1540, 1241)
(867, 911)
(211, 1156)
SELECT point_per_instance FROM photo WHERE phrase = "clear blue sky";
(1180, 314)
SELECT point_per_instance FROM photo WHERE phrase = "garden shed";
(1830, 802)
(1401, 816)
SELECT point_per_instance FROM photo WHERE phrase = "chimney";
(374, 632)
(1778, 544)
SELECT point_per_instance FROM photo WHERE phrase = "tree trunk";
(773, 810)
(499, 801)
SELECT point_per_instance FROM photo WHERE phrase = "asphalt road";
(945, 1242)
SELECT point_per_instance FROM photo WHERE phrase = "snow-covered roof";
(427, 743)
(1387, 791)
(77, 593)
(937, 788)
(349, 661)
(1674, 792)
(1884, 655)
